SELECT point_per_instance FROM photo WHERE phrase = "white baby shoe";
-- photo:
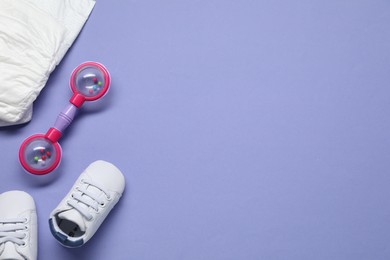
(84, 208)
(18, 226)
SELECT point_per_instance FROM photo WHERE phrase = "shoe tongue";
(73, 216)
(10, 253)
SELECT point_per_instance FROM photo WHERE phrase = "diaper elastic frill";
(34, 37)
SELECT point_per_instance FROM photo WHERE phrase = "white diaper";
(34, 37)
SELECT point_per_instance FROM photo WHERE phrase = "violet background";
(246, 130)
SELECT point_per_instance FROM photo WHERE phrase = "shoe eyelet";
(25, 220)
(25, 227)
(24, 244)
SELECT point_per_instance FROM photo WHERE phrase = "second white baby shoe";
(84, 208)
(18, 226)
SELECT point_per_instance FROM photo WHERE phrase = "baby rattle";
(40, 154)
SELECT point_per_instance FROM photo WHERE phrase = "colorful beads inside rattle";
(89, 81)
(44, 154)
(39, 153)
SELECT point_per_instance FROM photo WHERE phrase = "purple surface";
(246, 130)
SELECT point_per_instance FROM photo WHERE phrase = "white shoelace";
(12, 230)
(88, 198)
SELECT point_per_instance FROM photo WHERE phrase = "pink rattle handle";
(62, 122)
(40, 154)
(90, 89)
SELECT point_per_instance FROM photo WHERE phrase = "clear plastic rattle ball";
(40, 155)
(89, 81)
